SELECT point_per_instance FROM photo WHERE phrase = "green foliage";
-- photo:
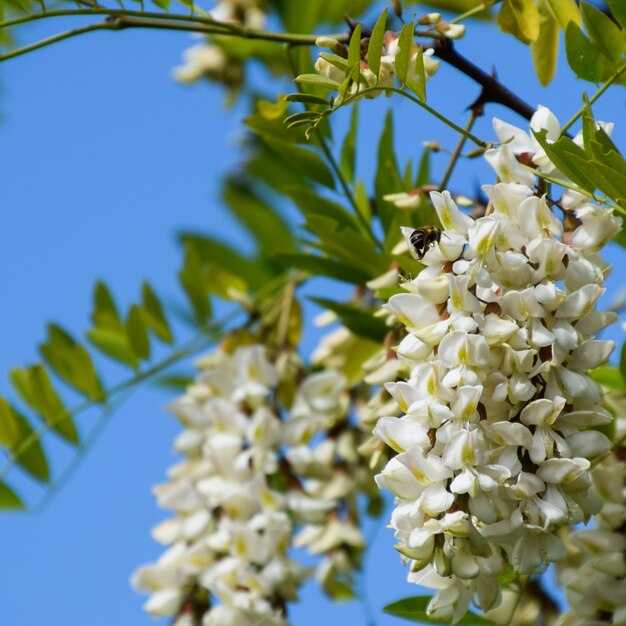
(538, 24)
(520, 18)
(19, 439)
(71, 362)
(610, 377)
(545, 49)
(375, 46)
(414, 610)
(599, 55)
(597, 166)
(9, 499)
(126, 340)
(356, 319)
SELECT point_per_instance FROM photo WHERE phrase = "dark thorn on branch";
(492, 89)
(365, 31)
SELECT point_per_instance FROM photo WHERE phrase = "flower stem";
(426, 107)
(457, 152)
(593, 99)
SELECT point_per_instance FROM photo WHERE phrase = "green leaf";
(375, 46)
(15, 430)
(137, 334)
(545, 49)
(317, 81)
(114, 345)
(604, 33)
(306, 98)
(608, 376)
(564, 153)
(418, 86)
(191, 278)
(311, 203)
(354, 48)
(176, 382)
(263, 222)
(302, 116)
(321, 266)
(357, 320)
(582, 55)
(71, 362)
(304, 160)
(105, 313)
(362, 201)
(153, 316)
(339, 590)
(35, 388)
(414, 610)
(348, 149)
(622, 363)
(9, 500)
(405, 48)
(565, 11)
(618, 9)
(520, 18)
(350, 246)
(388, 177)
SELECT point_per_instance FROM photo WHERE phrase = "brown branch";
(492, 89)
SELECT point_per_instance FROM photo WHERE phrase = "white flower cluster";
(236, 493)
(594, 574)
(494, 447)
(334, 66)
(206, 60)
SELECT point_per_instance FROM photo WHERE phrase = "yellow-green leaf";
(405, 47)
(9, 499)
(565, 11)
(153, 315)
(71, 362)
(618, 9)
(35, 388)
(545, 49)
(105, 313)
(520, 18)
(18, 437)
(375, 46)
(136, 332)
(114, 345)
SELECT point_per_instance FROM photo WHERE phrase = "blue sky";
(103, 158)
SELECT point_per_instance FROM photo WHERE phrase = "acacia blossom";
(334, 66)
(250, 477)
(494, 444)
(208, 60)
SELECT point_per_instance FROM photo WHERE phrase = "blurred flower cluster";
(214, 62)
(254, 473)
(334, 66)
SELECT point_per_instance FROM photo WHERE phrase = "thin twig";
(457, 152)
(593, 99)
(345, 186)
(426, 107)
(493, 89)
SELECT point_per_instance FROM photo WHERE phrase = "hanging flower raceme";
(494, 446)
(252, 475)
(208, 60)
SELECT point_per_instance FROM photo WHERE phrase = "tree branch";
(492, 89)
